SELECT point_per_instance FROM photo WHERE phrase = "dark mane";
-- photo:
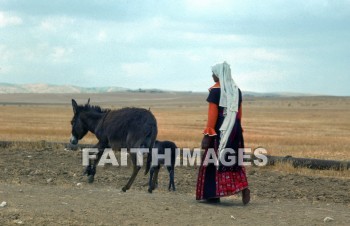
(95, 108)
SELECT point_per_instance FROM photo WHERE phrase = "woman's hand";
(206, 141)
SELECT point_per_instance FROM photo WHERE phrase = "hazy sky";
(271, 45)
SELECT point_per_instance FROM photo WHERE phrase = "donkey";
(123, 128)
(161, 147)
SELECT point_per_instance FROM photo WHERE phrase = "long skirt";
(214, 184)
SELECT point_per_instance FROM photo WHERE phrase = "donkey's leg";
(135, 171)
(156, 182)
(91, 168)
(169, 171)
(150, 179)
(172, 177)
(155, 177)
(87, 170)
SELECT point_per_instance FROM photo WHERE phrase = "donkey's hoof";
(153, 187)
(171, 188)
(124, 189)
(91, 179)
(150, 190)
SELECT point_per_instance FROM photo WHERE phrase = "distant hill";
(7, 88)
(46, 88)
(276, 94)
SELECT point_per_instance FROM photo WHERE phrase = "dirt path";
(40, 186)
(96, 205)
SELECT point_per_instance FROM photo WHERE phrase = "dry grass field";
(43, 184)
(315, 127)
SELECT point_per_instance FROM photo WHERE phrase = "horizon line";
(125, 89)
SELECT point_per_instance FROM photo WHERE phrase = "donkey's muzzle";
(73, 140)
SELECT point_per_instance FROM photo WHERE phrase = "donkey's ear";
(75, 106)
(88, 101)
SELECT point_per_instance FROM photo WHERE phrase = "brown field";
(315, 127)
(43, 185)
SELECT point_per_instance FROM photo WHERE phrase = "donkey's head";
(79, 130)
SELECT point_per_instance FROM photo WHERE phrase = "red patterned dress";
(223, 181)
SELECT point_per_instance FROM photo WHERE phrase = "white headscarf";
(229, 100)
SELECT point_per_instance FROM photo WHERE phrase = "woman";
(223, 131)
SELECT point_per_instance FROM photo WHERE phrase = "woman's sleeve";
(214, 96)
(213, 111)
(212, 118)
